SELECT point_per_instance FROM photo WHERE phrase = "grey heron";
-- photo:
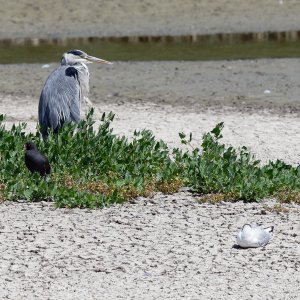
(64, 91)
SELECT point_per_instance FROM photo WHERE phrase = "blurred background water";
(147, 48)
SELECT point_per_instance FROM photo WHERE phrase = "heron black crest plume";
(76, 52)
(64, 91)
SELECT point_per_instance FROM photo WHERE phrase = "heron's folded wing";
(60, 98)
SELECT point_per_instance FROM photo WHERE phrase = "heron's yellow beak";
(97, 60)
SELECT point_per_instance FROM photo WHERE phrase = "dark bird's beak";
(97, 60)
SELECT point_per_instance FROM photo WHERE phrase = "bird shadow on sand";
(236, 246)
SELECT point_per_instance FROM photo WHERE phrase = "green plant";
(94, 168)
(234, 173)
(89, 168)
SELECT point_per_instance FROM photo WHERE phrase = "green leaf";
(27, 194)
(217, 130)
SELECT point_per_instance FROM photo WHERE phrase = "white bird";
(254, 236)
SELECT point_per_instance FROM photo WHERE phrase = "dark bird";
(35, 161)
(64, 91)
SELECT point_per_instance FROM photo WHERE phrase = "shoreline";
(223, 37)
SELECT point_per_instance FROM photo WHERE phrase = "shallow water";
(208, 47)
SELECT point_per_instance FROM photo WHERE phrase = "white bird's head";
(247, 228)
(74, 57)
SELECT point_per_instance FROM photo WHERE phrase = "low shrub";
(94, 168)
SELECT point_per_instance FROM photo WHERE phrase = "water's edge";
(183, 47)
(293, 35)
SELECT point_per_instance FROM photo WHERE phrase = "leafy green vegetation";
(236, 174)
(96, 168)
(89, 168)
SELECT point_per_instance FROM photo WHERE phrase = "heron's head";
(74, 57)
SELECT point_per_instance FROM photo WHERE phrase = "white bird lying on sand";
(254, 236)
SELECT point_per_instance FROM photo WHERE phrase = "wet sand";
(245, 85)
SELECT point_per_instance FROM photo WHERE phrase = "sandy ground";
(29, 18)
(167, 247)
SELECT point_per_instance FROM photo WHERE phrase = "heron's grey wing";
(60, 99)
